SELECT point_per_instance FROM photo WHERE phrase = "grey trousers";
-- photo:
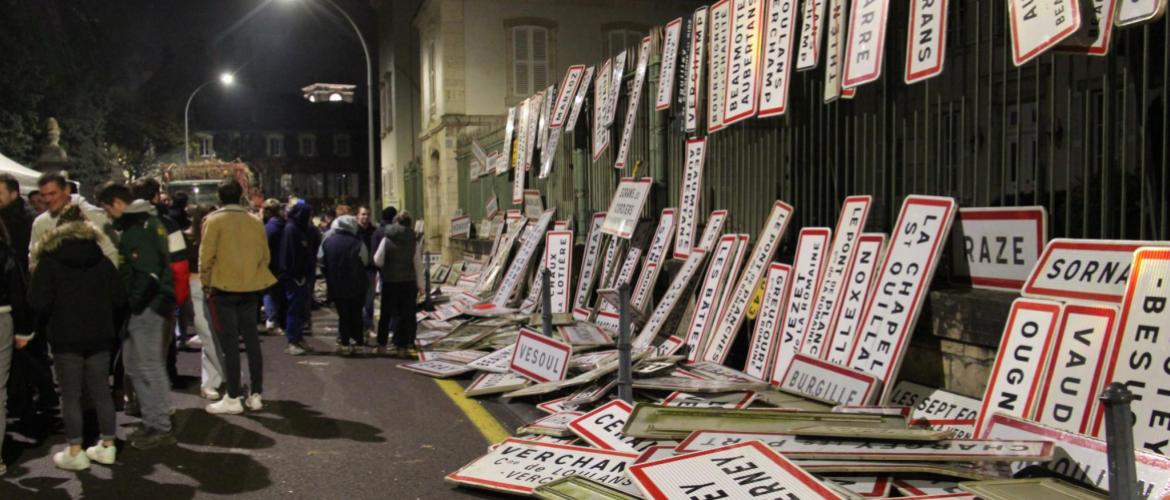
(85, 373)
(146, 364)
(6, 334)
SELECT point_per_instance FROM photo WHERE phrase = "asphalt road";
(331, 427)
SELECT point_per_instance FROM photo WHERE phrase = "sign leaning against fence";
(867, 42)
(626, 207)
(999, 245)
(694, 96)
(743, 61)
(1074, 376)
(1039, 26)
(1018, 371)
(807, 269)
(1094, 271)
(720, 43)
(558, 256)
(768, 319)
(689, 196)
(777, 57)
(854, 214)
(926, 40)
(669, 59)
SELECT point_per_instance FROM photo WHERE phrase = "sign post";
(625, 379)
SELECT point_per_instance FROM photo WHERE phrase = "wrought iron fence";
(1083, 136)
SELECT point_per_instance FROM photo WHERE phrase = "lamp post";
(227, 79)
(369, 96)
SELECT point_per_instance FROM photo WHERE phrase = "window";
(275, 146)
(308, 145)
(206, 146)
(618, 39)
(387, 107)
(530, 61)
(341, 146)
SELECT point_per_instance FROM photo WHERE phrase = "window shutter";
(539, 58)
(520, 61)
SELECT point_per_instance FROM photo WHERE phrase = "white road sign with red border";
(565, 95)
(745, 470)
(811, 20)
(1019, 364)
(779, 29)
(867, 41)
(540, 358)
(690, 193)
(743, 61)
(694, 85)
(828, 382)
(666, 71)
(1075, 374)
(1092, 271)
(720, 43)
(558, 255)
(1039, 26)
(602, 428)
(811, 250)
(998, 247)
(768, 319)
(830, 289)
(926, 40)
(707, 301)
(518, 466)
(626, 207)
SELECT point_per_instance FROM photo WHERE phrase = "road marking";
(483, 421)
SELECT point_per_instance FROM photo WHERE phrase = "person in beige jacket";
(233, 264)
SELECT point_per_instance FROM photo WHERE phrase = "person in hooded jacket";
(344, 259)
(395, 257)
(150, 190)
(146, 272)
(296, 269)
(275, 301)
(81, 294)
(15, 318)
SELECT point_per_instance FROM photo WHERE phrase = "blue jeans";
(298, 296)
(275, 305)
(143, 354)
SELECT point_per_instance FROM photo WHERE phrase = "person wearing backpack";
(344, 259)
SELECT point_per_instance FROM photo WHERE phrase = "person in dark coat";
(344, 260)
(275, 301)
(395, 257)
(365, 231)
(83, 297)
(296, 268)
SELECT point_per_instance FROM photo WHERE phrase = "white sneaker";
(269, 325)
(63, 460)
(294, 350)
(226, 406)
(102, 454)
(209, 393)
(254, 402)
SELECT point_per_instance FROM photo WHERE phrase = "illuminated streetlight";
(227, 79)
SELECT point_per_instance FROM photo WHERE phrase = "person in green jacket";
(144, 266)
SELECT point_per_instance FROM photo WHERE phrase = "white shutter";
(539, 58)
(521, 84)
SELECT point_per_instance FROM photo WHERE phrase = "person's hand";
(20, 343)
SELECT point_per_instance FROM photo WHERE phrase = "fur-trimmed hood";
(75, 244)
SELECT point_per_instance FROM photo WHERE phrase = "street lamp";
(369, 93)
(226, 79)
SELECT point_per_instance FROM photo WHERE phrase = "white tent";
(27, 176)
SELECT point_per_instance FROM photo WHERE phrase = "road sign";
(728, 400)
(558, 255)
(1039, 26)
(1132, 12)
(827, 382)
(846, 317)
(694, 97)
(533, 203)
(866, 486)
(602, 428)
(626, 207)
(615, 87)
(807, 270)
(666, 71)
(761, 256)
(518, 466)
(811, 19)
(1081, 458)
(1075, 374)
(670, 300)
(601, 98)
(1084, 270)
(998, 247)
(1022, 356)
(867, 41)
(835, 50)
(1098, 30)
(584, 334)
(535, 108)
(1141, 359)
(768, 319)
(509, 131)
(713, 229)
(556, 424)
(926, 40)
(795, 447)
(777, 57)
(634, 98)
(941, 410)
(519, 266)
(540, 358)
(436, 368)
(743, 61)
(460, 227)
(494, 383)
(587, 274)
(745, 470)
(568, 90)
(720, 26)
(555, 406)
(690, 194)
(656, 254)
(707, 302)
(496, 362)
(545, 113)
(831, 287)
(579, 99)
(892, 311)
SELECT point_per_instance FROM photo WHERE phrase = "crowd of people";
(96, 300)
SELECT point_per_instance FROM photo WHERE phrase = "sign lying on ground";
(761, 256)
(496, 362)
(998, 247)
(807, 269)
(777, 57)
(746, 470)
(735, 400)
(828, 382)
(1039, 26)
(867, 42)
(860, 277)
(743, 61)
(626, 207)
(891, 313)
(792, 446)
(436, 368)
(602, 428)
(1084, 270)
(494, 383)
(939, 409)
(831, 286)
(669, 58)
(1082, 458)
(1023, 354)
(689, 196)
(1142, 358)
(519, 466)
(720, 26)
(1074, 376)
(540, 358)
(558, 255)
(926, 40)
(694, 96)
(771, 313)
